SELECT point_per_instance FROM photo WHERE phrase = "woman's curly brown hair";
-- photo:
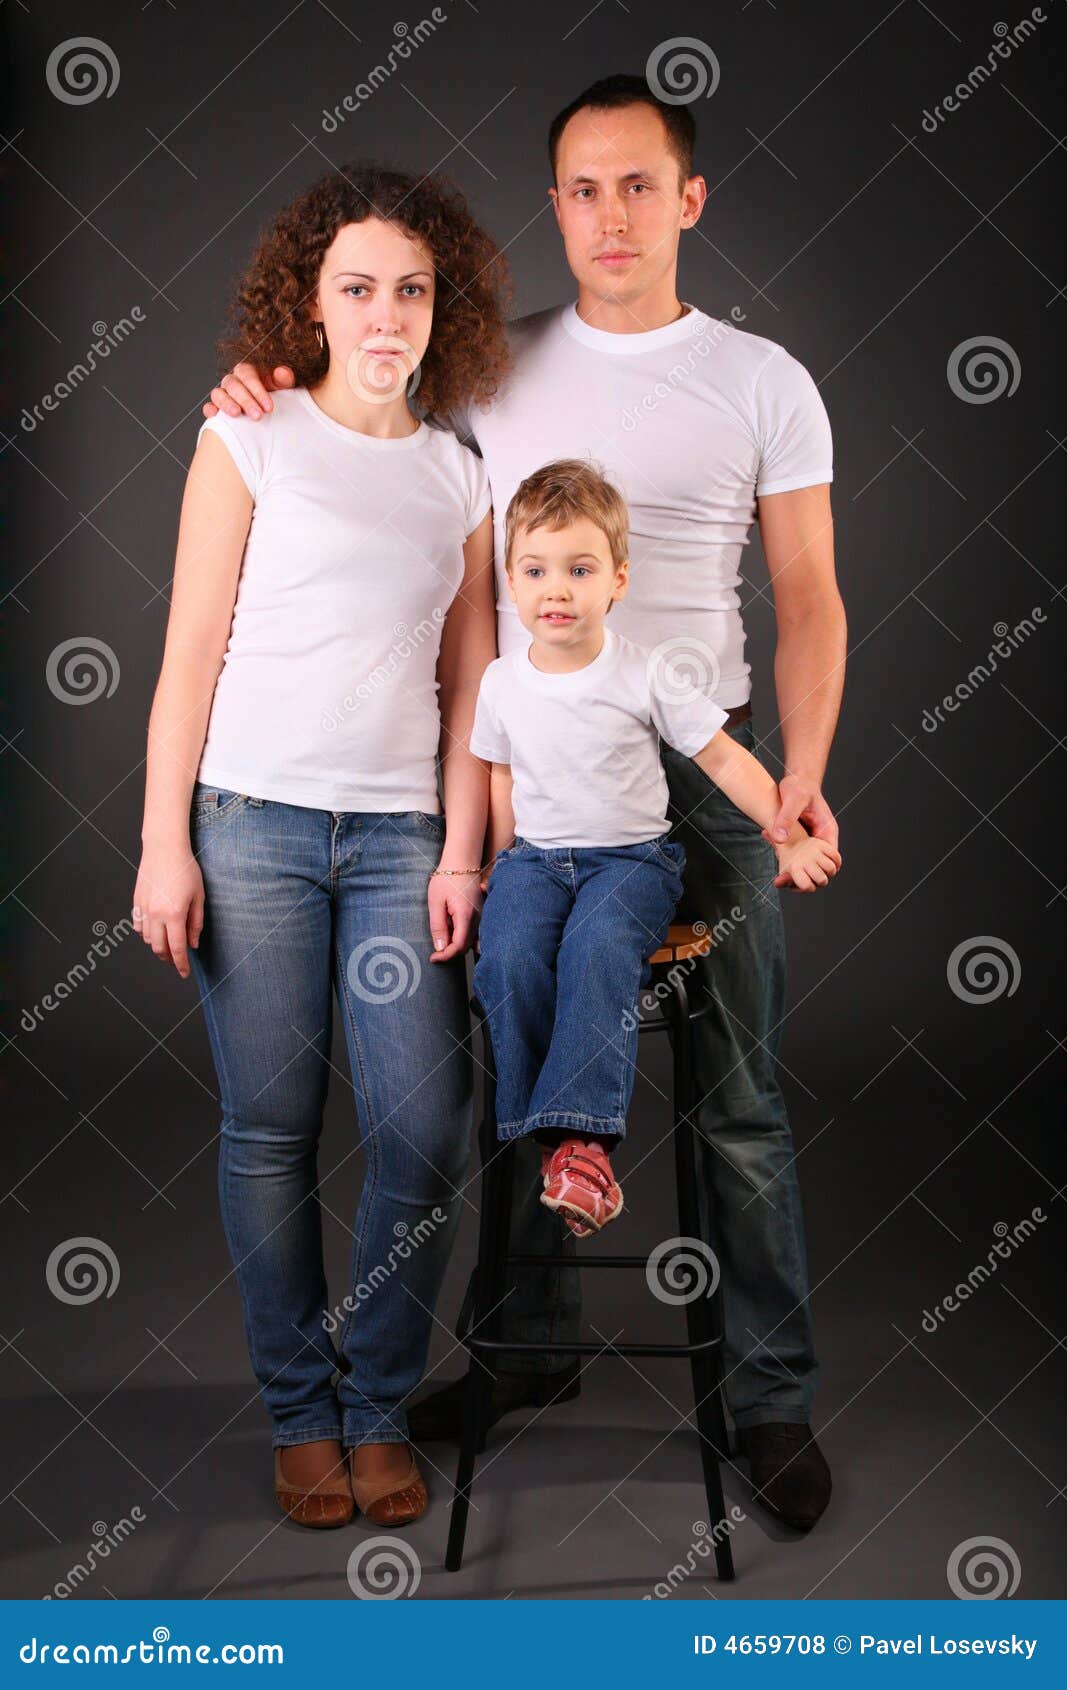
(468, 352)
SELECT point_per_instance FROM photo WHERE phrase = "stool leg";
(493, 1232)
(702, 1313)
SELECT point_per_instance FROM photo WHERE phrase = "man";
(703, 427)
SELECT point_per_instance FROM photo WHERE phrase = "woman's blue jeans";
(565, 935)
(301, 903)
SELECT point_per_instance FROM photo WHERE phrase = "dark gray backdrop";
(924, 1099)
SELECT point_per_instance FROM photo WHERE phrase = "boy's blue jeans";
(747, 1183)
(564, 937)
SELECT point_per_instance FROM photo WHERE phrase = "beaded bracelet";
(455, 871)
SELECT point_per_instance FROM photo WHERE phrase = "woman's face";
(375, 302)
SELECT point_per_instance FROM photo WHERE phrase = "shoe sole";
(560, 1206)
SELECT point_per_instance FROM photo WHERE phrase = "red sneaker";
(580, 1186)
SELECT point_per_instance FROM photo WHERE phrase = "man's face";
(619, 202)
(562, 581)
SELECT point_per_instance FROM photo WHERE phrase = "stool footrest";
(578, 1262)
(683, 1351)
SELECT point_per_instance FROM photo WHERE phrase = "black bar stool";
(479, 1321)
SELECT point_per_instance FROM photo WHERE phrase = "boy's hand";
(801, 801)
(807, 863)
(245, 391)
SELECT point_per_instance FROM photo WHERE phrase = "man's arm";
(809, 664)
(246, 390)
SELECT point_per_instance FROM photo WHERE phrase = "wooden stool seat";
(684, 939)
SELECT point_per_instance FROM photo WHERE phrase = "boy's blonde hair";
(560, 493)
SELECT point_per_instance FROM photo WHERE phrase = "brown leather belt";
(740, 713)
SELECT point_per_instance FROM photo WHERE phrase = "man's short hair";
(562, 492)
(612, 92)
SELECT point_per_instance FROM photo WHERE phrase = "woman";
(331, 619)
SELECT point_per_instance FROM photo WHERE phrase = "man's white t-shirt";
(328, 692)
(584, 748)
(692, 422)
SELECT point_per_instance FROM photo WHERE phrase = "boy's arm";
(804, 862)
(501, 814)
(744, 780)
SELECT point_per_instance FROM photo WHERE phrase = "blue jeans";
(747, 1184)
(299, 903)
(564, 935)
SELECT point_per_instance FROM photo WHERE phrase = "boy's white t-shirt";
(693, 422)
(328, 692)
(584, 747)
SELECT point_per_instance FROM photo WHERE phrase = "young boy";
(587, 888)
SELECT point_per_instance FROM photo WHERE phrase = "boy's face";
(619, 203)
(562, 581)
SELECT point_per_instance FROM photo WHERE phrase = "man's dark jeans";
(749, 1197)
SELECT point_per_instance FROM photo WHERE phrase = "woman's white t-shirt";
(328, 692)
(584, 746)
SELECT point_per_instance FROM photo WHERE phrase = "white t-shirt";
(584, 747)
(328, 694)
(691, 421)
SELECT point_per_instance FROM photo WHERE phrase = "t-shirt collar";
(647, 340)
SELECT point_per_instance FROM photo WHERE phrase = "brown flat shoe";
(325, 1504)
(391, 1502)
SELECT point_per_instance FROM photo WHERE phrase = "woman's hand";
(168, 903)
(454, 902)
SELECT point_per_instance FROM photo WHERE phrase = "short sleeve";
(796, 446)
(686, 718)
(488, 738)
(479, 498)
(248, 444)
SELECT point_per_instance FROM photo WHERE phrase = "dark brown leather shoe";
(788, 1470)
(325, 1504)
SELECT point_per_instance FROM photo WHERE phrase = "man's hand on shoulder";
(245, 391)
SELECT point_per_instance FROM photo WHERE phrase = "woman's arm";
(468, 646)
(216, 513)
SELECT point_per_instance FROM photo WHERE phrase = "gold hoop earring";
(320, 336)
